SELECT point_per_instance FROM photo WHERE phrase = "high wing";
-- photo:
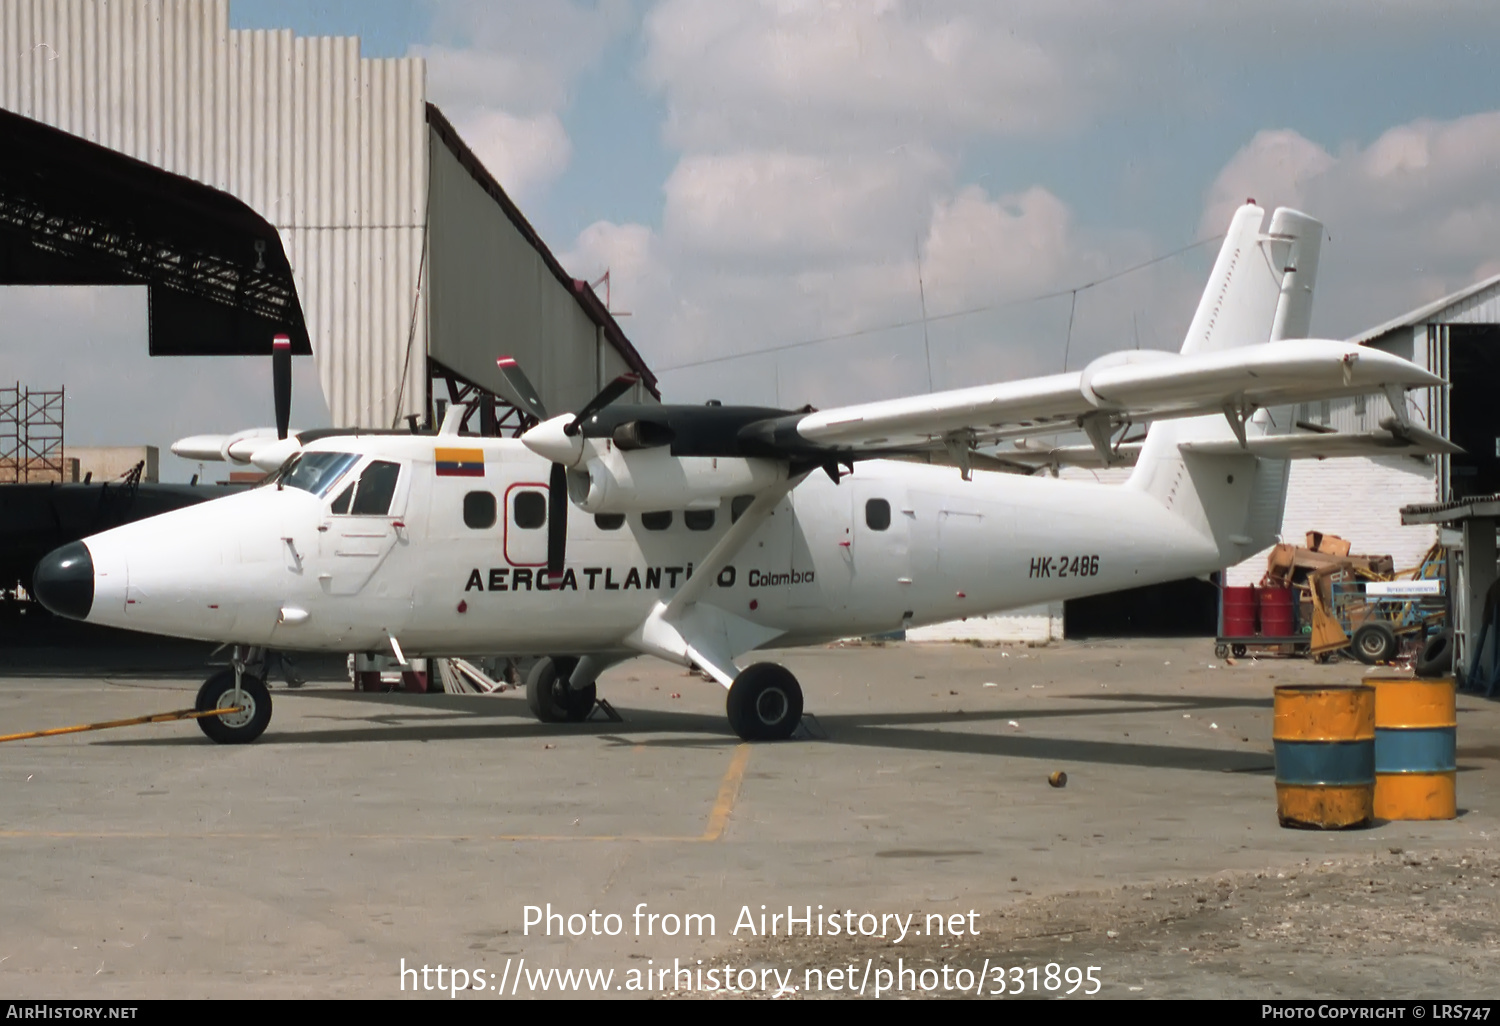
(1134, 387)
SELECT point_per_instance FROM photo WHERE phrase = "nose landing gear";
(250, 696)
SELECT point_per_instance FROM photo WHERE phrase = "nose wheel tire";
(764, 703)
(549, 696)
(239, 728)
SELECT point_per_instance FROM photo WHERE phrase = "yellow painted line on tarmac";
(718, 819)
(175, 835)
(729, 792)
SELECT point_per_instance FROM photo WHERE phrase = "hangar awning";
(76, 213)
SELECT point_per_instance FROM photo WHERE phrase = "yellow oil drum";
(1416, 747)
(1324, 739)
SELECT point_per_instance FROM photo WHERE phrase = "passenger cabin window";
(315, 472)
(609, 521)
(479, 510)
(377, 487)
(699, 519)
(877, 514)
(737, 507)
(658, 521)
(530, 510)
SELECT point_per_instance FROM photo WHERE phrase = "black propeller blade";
(608, 394)
(523, 396)
(518, 389)
(557, 522)
(281, 380)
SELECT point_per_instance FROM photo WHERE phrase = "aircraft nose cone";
(64, 581)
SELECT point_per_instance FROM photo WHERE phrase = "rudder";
(1260, 290)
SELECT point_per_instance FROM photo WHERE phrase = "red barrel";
(1239, 612)
(1276, 617)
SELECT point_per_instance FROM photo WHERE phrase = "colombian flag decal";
(460, 462)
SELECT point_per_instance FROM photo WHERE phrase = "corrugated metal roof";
(1464, 306)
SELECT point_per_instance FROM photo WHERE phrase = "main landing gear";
(551, 698)
(764, 703)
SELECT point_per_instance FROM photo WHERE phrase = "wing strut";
(686, 630)
(959, 443)
(1098, 428)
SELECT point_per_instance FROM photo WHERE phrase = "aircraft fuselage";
(455, 562)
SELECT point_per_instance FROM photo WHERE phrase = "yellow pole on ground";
(168, 717)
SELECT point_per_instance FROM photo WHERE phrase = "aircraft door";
(880, 541)
(363, 526)
(968, 536)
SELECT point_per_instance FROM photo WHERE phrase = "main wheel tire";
(764, 703)
(234, 728)
(547, 692)
(1374, 643)
(1437, 656)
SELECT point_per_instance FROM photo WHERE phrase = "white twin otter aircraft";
(704, 533)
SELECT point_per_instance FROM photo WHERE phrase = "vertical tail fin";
(1261, 290)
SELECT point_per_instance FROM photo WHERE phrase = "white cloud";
(799, 208)
(1411, 217)
(768, 73)
(509, 73)
(982, 250)
(887, 72)
(524, 154)
(699, 295)
(520, 56)
(822, 143)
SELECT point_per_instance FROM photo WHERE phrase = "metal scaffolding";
(31, 435)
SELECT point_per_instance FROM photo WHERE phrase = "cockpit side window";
(315, 472)
(377, 487)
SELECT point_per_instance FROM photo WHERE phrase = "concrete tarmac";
(364, 830)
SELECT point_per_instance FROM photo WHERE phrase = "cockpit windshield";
(315, 472)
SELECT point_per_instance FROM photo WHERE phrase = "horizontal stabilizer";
(1394, 440)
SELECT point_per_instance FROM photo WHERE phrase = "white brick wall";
(1357, 498)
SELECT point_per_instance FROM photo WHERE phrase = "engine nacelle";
(646, 480)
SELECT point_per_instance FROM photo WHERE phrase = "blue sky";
(755, 174)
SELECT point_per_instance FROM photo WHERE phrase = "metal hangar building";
(259, 182)
(1360, 498)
